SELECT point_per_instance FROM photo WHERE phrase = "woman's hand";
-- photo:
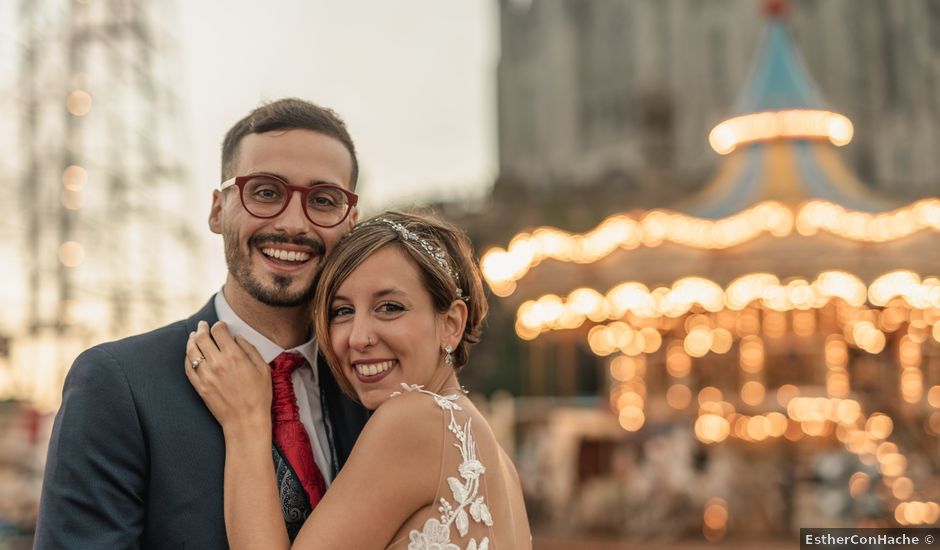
(232, 379)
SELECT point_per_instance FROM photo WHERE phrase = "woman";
(398, 304)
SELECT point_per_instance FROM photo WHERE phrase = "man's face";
(257, 251)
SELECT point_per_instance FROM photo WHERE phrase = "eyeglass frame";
(239, 181)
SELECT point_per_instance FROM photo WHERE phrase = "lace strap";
(467, 503)
(445, 402)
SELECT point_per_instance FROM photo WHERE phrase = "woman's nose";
(361, 335)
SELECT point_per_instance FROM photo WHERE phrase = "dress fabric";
(463, 520)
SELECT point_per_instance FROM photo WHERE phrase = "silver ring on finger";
(196, 362)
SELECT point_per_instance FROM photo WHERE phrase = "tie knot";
(286, 363)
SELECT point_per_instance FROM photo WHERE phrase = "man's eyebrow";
(284, 178)
(274, 174)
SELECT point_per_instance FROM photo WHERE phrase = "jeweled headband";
(432, 250)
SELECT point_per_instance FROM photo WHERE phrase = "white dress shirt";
(306, 384)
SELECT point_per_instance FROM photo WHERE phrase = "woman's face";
(384, 329)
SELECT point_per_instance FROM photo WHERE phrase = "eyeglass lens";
(267, 197)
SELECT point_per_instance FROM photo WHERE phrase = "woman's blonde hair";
(444, 258)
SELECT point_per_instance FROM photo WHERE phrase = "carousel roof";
(779, 78)
(780, 176)
(780, 143)
(790, 171)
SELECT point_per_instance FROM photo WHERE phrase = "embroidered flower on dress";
(434, 537)
(471, 469)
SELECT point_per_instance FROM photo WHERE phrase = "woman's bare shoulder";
(409, 421)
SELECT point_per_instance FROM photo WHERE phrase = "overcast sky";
(414, 80)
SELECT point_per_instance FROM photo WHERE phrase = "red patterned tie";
(289, 433)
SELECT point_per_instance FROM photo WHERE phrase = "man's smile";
(284, 252)
(286, 255)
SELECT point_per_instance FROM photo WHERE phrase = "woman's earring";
(448, 355)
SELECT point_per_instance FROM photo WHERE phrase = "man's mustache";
(316, 247)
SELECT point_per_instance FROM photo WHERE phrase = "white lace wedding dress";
(478, 505)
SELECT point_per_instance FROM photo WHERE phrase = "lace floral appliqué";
(466, 504)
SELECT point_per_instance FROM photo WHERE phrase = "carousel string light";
(552, 312)
(787, 124)
(503, 267)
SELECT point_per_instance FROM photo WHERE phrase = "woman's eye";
(340, 311)
(390, 307)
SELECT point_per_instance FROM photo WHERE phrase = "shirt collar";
(266, 348)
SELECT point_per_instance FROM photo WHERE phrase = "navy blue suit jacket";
(136, 459)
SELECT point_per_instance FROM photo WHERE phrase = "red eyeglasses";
(265, 196)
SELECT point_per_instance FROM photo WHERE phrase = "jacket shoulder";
(166, 343)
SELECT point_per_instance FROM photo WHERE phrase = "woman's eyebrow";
(381, 293)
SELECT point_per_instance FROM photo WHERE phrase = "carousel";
(786, 310)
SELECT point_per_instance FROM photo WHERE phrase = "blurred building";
(736, 347)
(589, 87)
(98, 241)
(96, 238)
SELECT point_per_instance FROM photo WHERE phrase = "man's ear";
(454, 322)
(353, 217)
(215, 213)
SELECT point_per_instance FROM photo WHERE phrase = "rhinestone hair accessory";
(433, 251)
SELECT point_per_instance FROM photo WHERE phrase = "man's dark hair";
(287, 114)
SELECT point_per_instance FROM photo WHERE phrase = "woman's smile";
(369, 371)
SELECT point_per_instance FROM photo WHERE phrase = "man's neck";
(288, 327)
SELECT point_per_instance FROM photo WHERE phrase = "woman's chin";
(374, 390)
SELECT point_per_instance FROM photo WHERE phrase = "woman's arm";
(235, 383)
(253, 517)
(392, 472)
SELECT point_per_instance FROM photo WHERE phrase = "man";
(136, 460)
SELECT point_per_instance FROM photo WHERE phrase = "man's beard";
(276, 293)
